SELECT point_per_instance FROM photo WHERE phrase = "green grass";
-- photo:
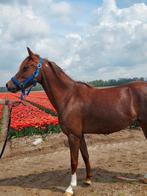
(33, 131)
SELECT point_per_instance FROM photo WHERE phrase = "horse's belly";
(106, 125)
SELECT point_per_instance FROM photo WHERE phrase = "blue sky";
(88, 39)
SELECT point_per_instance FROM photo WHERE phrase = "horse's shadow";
(52, 180)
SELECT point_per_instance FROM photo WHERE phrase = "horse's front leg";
(74, 144)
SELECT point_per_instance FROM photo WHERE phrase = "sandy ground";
(44, 170)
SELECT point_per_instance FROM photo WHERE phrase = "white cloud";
(61, 8)
(113, 45)
(116, 43)
(19, 27)
(22, 25)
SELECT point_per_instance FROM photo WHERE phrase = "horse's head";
(27, 75)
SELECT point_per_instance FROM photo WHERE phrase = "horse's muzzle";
(11, 88)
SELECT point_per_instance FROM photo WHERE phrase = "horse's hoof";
(88, 182)
(143, 181)
(67, 194)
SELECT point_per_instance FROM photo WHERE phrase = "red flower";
(30, 116)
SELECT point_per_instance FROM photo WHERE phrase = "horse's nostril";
(7, 86)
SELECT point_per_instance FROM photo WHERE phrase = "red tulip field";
(43, 169)
(30, 118)
(1, 110)
(41, 100)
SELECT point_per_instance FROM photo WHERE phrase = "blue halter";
(31, 79)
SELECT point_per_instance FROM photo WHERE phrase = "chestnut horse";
(83, 109)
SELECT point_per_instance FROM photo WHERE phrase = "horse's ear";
(31, 54)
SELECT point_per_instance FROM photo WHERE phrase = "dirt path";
(44, 170)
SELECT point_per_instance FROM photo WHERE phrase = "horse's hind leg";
(85, 155)
(144, 128)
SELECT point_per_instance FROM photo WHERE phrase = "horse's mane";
(84, 83)
(58, 71)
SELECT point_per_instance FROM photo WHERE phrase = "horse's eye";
(25, 68)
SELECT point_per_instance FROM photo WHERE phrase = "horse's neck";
(56, 86)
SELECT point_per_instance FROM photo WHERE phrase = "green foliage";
(38, 87)
(113, 82)
(33, 131)
(135, 125)
(3, 89)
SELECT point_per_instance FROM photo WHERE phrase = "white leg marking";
(69, 190)
(73, 183)
(74, 180)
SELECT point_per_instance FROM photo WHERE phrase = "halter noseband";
(31, 79)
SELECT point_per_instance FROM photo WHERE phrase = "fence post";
(5, 123)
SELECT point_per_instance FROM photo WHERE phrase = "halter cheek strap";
(31, 79)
